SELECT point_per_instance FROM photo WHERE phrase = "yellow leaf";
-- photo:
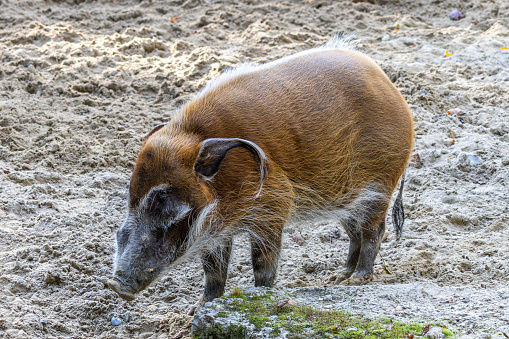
(447, 54)
(505, 47)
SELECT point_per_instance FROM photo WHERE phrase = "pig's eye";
(159, 202)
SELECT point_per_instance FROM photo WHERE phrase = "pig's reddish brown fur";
(356, 129)
(330, 123)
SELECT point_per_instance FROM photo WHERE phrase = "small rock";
(116, 321)
(327, 237)
(104, 280)
(435, 333)
(399, 308)
(12, 331)
(309, 267)
(53, 278)
(297, 238)
(126, 316)
(455, 111)
(352, 329)
(416, 160)
(456, 15)
(386, 37)
(449, 142)
(467, 158)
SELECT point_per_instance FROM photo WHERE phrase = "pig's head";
(169, 188)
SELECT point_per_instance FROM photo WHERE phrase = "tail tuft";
(398, 214)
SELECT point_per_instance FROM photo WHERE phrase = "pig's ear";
(155, 129)
(213, 151)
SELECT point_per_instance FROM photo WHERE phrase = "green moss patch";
(302, 321)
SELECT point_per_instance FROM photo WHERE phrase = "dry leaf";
(410, 336)
(425, 329)
(447, 54)
(174, 18)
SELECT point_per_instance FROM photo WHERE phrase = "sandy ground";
(82, 82)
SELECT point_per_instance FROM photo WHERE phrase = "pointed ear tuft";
(213, 151)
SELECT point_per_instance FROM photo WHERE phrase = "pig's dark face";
(164, 196)
(151, 238)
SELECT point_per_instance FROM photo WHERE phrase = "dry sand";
(82, 82)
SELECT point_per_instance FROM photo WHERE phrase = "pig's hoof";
(121, 290)
(342, 276)
(356, 280)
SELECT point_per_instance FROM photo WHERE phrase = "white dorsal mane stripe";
(337, 43)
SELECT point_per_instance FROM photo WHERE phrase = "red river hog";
(323, 131)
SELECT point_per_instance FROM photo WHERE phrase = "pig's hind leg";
(354, 251)
(365, 226)
(370, 245)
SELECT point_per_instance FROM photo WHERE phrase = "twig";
(384, 264)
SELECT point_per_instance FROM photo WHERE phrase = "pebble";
(297, 238)
(456, 15)
(435, 333)
(126, 316)
(471, 159)
(116, 321)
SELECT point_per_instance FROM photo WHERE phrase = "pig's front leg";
(215, 265)
(265, 249)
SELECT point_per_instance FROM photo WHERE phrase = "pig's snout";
(125, 291)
